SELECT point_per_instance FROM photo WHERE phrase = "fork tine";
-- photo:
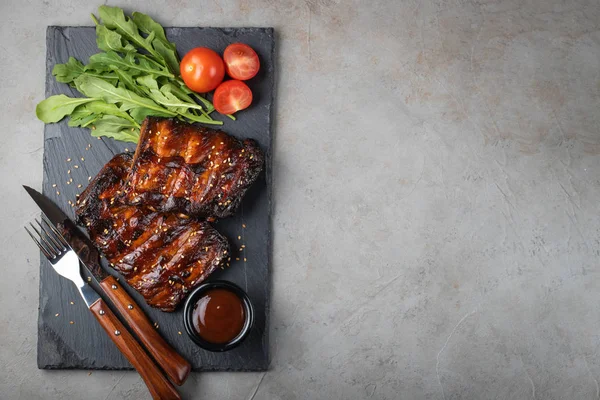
(42, 248)
(48, 244)
(57, 235)
(54, 241)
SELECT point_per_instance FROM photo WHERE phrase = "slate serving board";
(83, 344)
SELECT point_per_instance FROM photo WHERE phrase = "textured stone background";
(436, 211)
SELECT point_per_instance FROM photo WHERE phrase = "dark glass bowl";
(188, 313)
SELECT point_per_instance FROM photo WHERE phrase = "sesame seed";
(82, 159)
(245, 259)
(71, 322)
(78, 186)
(237, 259)
(126, 149)
(69, 171)
(239, 237)
(89, 279)
(56, 315)
(243, 225)
(72, 303)
(57, 192)
(89, 178)
(54, 185)
(68, 159)
(243, 246)
(179, 332)
(75, 166)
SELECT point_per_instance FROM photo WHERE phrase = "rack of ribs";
(191, 170)
(161, 255)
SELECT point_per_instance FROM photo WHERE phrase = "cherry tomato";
(232, 96)
(241, 61)
(202, 69)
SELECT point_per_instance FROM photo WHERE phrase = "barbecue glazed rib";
(162, 256)
(191, 170)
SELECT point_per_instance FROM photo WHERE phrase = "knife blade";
(175, 366)
(84, 248)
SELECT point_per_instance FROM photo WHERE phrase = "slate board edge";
(269, 180)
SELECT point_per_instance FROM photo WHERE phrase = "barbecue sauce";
(218, 316)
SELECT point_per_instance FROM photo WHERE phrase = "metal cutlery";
(66, 263)
(175, 366)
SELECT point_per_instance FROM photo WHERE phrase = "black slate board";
(84, 344)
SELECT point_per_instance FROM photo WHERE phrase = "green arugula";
(55, 108)
(136, 75)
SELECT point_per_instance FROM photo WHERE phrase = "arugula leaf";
(170, 88)
(114, 18)
(108, 40)
(207, 104)
(67, 72)
(161, 44)
(97, 88)
(201, 118)
(182, 95)
(140, 113)
(99, 108)
(147, 25)
(136, 76)
(112, 61)
(116, 128)
(148, 82)
(55, 108)
(168, 54)
(128, 82)
(171, 102)
(81, 117)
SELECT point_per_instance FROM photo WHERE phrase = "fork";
(66, 263)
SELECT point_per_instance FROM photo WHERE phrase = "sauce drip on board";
(218, 316)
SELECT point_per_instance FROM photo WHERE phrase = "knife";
(175, 366)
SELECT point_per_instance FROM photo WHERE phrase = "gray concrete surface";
(436, 222)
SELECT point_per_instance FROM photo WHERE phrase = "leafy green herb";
(136, 75)
(108, 40)
(115, 127)
(66, 73)
(98, 88)
(114, 18)
(55, 108)
(112, 61)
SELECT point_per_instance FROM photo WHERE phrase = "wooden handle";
(175, 366)
(157, 383)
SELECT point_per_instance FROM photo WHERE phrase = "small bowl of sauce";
(218, 315)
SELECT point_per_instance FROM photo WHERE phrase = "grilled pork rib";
(162, 256)
(191, 170)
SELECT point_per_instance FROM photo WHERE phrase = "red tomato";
(202, 69)
(241, 61)
(232, 96)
